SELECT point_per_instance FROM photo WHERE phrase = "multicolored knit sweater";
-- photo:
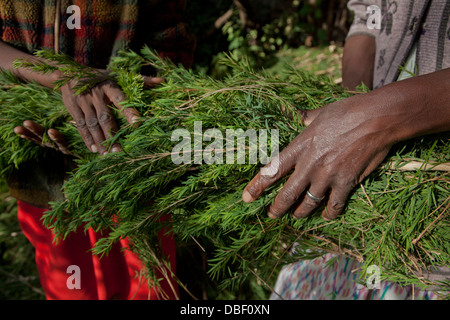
(107, 26)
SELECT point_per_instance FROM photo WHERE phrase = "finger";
(105, 118)
(60, 141)
(37, 129)
(73, 106)
(117, 97)
(272, 172)
(312, 200)
(35, 132)
(288, 195)
(299, 115)
(152, 81)
(336, 202)
(86, 134)
(24, 133)
(308, 116)
(106, 122)
(340, 193)
(93, 125)
(21, 131)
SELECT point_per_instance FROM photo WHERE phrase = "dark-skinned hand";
(34, 132)
(345, 141)
(94, 119)
(336, 151)
(90, 110)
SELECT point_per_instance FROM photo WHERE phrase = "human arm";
(358, 61)
(349, 139)
(9, 54)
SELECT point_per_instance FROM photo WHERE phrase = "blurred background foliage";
(19, 278)
(307, 34)
(259, 30)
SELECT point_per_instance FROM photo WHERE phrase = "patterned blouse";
(402, 26)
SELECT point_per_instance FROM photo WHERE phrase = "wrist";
(400, 111)
(53, 77)
(418, 106)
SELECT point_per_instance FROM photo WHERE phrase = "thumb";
(308, 116)
(303, 116)
(152, 81)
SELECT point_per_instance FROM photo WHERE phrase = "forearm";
(428, 98)
(358, 61)
(410, 108)
(9, 54)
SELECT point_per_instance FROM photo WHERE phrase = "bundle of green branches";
(396, 219)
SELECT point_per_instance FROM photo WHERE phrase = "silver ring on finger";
(313, 197)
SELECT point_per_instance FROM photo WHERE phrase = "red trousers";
(115, 276)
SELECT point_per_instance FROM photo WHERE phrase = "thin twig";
(435, 220)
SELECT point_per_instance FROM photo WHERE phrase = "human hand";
(341, 146)
(35, 133)
(93, 118)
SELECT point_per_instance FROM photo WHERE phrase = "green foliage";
(29, 102)
(268, 27)
(68, 68)
(395, 219)
(19, 278)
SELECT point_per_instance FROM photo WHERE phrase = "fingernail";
(115, 149)
(134, 119)
(94, 148)
(271, 215)
(51, 135)
(246, 197)
(325, 215)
